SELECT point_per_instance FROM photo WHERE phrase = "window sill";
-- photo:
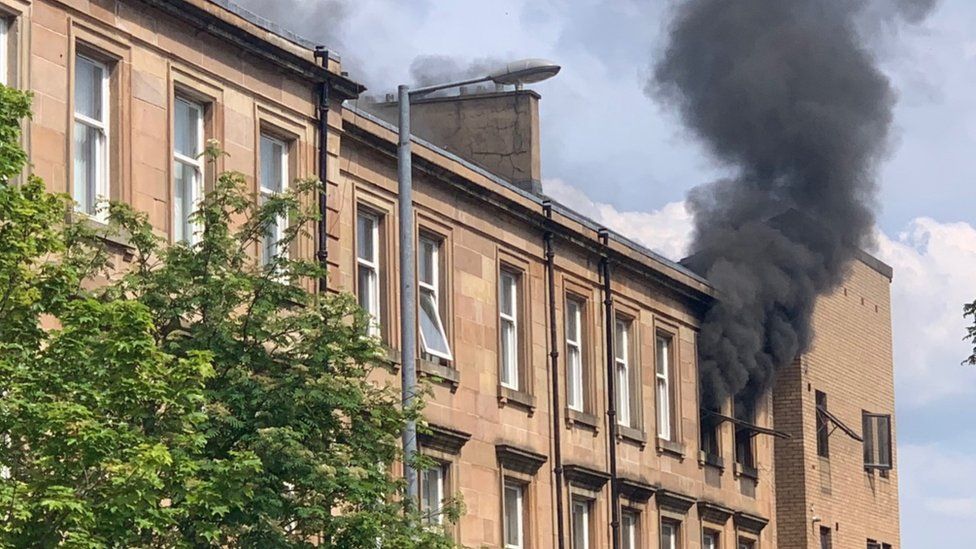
(746, 471)
(517, 398)
(390, 358)
(583, 420)
(442, 374)
(711, 460)
(630, 434)
(670, 447)
(104, 231)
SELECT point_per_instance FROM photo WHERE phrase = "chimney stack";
(497, 130)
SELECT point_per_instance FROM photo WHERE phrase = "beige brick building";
(841, 390)
(126, 92)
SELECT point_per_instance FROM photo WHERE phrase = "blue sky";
(614, 154)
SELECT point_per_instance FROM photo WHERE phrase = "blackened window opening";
(744, 454)
(823, 426)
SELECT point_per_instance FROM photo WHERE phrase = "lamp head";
(526, 71)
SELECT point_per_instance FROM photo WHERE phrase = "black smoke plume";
(787, 94)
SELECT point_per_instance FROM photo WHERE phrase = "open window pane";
(825, 538)
(743, 436)
(431, 330)
(823, 428)
(876, 432)
(513, 516)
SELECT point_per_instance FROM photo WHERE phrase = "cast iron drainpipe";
(554, 358)
(322, 246)
(604, 235)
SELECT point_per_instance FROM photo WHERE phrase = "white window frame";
(584, 505)
(674, 529)
(622, 327)
(191, 234)
(630, 529)
(5, 50)
(280, 223)
(710, 535)
(519, 511)
(662, 389)
(509, 374)
(575, 395)
(372, 294)
(434, 515)
(433, 288)
(101, 158)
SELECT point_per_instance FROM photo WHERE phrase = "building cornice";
(571, 226)
(219, 20)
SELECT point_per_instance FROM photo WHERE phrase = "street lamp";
(517, 73)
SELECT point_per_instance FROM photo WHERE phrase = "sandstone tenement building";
(513, 288)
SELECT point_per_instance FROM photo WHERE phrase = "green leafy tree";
(969, 311)
(193, 397)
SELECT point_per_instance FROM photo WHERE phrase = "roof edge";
(557, 207)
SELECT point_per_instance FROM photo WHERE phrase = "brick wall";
(851, 362)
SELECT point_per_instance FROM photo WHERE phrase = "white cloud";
(936, 495)
(935, 269)
(666, 230)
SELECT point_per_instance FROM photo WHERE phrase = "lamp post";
(517, 73)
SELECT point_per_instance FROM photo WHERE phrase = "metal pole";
(554, 357)
(611, 391)
(408, 297)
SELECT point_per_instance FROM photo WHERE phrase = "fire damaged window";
(745, 455)
(825, 538)
(876, 432)
(823, 426)
(709, 423)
